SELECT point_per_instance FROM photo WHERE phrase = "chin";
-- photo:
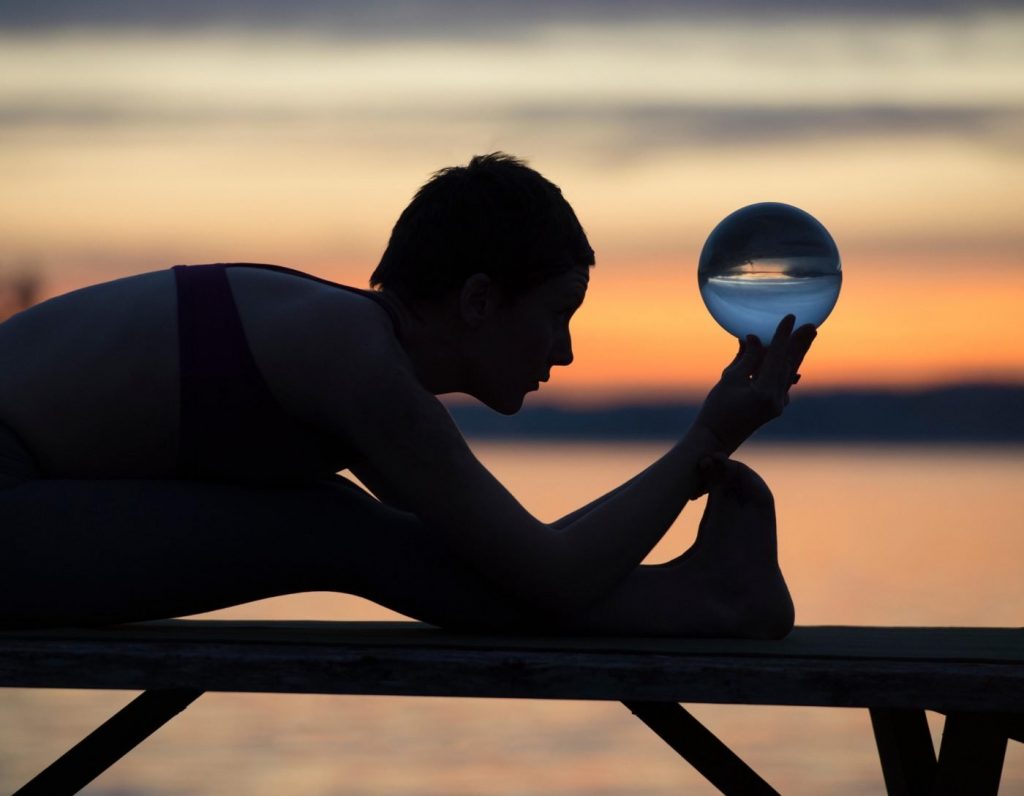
(509, 407)
(503, 404)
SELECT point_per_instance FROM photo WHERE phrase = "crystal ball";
(765, 261)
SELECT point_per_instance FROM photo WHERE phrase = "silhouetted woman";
(169, 442)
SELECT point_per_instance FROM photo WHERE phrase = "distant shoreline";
(991, 414)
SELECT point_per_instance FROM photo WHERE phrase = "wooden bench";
(975, 676)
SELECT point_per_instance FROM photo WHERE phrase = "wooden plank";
(719, 765)
(461, 667)
(905, 751)
(977, 644)
(109, 742)
(971, 756)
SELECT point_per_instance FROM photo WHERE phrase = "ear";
(478, 299)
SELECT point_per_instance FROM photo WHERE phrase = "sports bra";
(232, 428)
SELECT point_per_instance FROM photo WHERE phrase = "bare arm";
(726, 436)
(412, 451)
(572, 516)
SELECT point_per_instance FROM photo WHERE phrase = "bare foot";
(727, 585)
(736, 555)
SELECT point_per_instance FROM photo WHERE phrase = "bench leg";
(694, 742)
(905, 751)
(1013, 726)
(971, 756)
(109, 742)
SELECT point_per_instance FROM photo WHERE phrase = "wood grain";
(942, 669)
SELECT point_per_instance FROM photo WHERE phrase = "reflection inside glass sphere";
(765, 261)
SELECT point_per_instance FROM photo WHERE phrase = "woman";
(169, 441)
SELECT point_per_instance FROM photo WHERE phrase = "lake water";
(871, 535)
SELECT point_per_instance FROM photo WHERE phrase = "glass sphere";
(764, 262)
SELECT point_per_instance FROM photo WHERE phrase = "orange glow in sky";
(130, 149)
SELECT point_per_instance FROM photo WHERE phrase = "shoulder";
(333, 358)
(316, 343)
(284, 309)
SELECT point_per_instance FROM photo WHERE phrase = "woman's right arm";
(726, 413)
(409, 445)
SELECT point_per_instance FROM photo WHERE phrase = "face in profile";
(528, 336)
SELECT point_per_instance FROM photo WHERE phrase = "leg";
(109, 742)
(701, 749)
(971, 755)
(905, 750)
(94, 552)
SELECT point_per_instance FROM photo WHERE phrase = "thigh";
(89, 552)
(93, 551)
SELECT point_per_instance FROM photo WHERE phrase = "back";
(90, 379)
(107, 381)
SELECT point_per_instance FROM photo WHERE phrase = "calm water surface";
(888, 536)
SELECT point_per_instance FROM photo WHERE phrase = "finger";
(748, 361)
(753, 358)
(775, 367)
(799, 344)
(739, 355)
(783, 330)
(714, 468)
(709, 472)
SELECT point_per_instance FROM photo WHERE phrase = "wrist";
(703, 441)
(702, 446)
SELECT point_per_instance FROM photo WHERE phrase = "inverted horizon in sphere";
(745, 306)
(766, 261)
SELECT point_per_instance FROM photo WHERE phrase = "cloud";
(660, 126)
(440, 18)
(640, 87)
(626, 126)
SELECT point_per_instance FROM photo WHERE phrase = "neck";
(432, 338)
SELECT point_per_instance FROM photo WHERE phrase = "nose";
(561, 354)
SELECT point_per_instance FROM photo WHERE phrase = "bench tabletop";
(933, 668)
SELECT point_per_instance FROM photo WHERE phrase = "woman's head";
(495, 216)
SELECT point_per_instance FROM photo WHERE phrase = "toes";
(714, 468)
(733, 479)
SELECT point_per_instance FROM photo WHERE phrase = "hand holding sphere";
(769, 274)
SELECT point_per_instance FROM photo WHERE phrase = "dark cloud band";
(441, 18)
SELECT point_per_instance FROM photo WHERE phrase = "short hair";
(495, 216)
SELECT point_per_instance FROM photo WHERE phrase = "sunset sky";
(135, 136)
